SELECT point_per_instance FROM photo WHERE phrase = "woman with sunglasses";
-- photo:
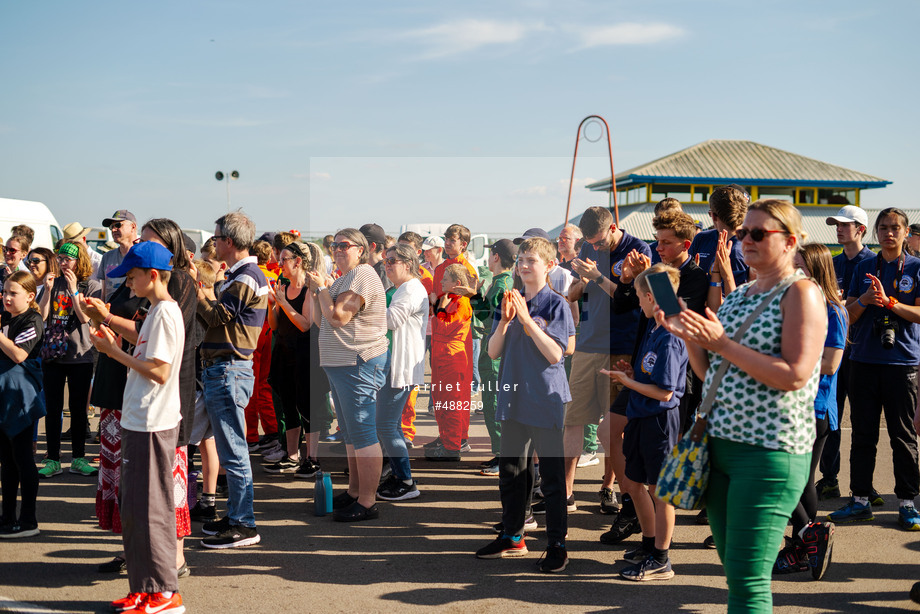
(70, 358)
(42, 262)
(14, 253)
(353, 351)
(883, 301)
(761, 425)
(407, 319)
(296, 340)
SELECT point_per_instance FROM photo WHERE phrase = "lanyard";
(878, 272)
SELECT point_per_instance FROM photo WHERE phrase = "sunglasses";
(757, 234)
(116, 225)
(216, 237)
(341, 246)
(10, 250)
(36, 260)
(391, 260)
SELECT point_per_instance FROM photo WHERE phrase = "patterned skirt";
(107, 491)
(109, 470)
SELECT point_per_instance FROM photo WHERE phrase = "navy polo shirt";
(662, 361)
(601, 330)
(531, 390)
(865, 341)
(704, 244)
(826, 399)
(843, 267)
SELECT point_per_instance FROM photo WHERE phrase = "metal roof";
(745, 162)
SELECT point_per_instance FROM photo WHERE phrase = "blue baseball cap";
(144, 255)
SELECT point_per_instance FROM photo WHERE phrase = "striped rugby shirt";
(235, 319)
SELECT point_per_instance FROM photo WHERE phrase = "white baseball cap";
(849, 213)
(432, 242)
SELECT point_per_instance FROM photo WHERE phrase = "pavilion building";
(816, 188)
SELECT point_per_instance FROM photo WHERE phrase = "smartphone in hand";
(660, 285)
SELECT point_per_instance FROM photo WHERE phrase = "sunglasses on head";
(757, 234)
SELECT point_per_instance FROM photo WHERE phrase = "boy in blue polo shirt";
(531, 338)
(656, 383)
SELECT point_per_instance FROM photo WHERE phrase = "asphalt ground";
(418, 556)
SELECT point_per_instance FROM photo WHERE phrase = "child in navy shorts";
(656, 383)
(532, 337)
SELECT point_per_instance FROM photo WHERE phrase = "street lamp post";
(221, 177)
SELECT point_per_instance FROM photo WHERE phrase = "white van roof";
(32, 213)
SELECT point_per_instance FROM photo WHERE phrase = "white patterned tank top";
(748, 411)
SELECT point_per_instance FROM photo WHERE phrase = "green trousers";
(752, 492)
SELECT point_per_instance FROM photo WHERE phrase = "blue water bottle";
(322, 494)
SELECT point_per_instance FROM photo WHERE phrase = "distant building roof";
(744, 162)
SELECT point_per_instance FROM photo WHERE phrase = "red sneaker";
(158, 603)
(132, 601)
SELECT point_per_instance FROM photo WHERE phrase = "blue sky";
(403, 112)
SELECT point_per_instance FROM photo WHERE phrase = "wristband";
(715, 284)
(892, 301)
(860, 303)
(597, 280)
(108, 320)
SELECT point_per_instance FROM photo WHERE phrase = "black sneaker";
(217, 527)
(828, 488)
(709, 542)
(540, 506)
(876, 499)
(440, 454)
(649, 569)
(432, 444)
(791, 559)
(818, 544)
(530, 524)
(702, 518)
(554, 559)
(622, 528)
(308, 469)
(253, 447)
(203, 513)
(285, 465)
(636, 555)
(234, 537)
(489, 463)
(397, 490)
(609, 504)
(116, 565)
(19, 529)
(503, 548)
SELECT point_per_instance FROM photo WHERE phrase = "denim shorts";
(354, 392)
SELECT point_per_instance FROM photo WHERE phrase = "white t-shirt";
(150, 407)
(561, 279)
(407, 317)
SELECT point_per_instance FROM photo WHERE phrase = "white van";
(35, 215)
(198, 235)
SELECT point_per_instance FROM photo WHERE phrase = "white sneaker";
(587, 459)
(274, 455)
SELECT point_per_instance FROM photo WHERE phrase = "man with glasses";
(234, 325)
(603, 338)
(123, 225)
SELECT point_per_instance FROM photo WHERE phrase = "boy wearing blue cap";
(150, 430)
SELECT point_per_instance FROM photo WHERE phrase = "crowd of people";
(260, 345)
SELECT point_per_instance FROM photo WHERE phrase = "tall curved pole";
(613, 178)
